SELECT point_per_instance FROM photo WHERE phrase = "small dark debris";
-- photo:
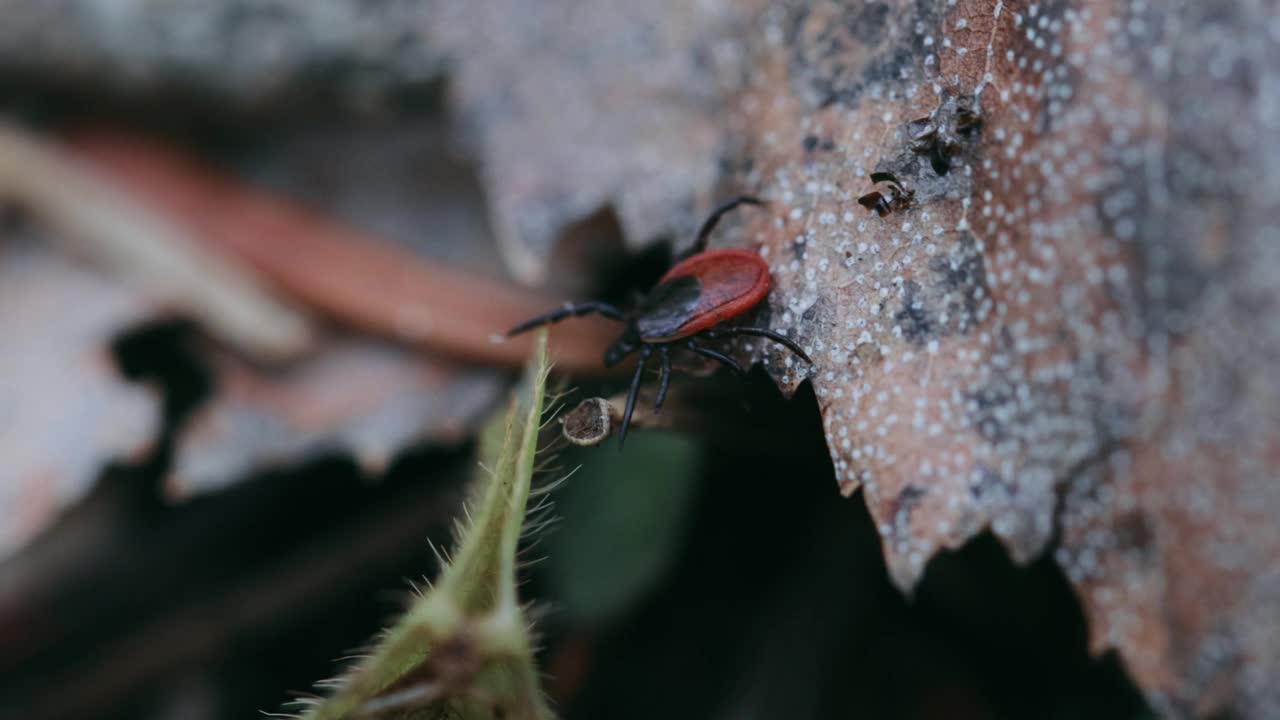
(813, 142)
(922, 133)
(875, 202)
(883, 202)
(938, 136)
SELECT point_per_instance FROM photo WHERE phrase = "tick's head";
(622, 347)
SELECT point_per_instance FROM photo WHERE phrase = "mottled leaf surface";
(1065, 334)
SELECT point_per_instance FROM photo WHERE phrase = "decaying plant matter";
(1051, 319)
(1064, 339)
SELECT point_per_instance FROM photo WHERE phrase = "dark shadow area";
(592, 262)
(254, 591)
(228, 602)
(780, 606)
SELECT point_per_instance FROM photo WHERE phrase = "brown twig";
(96, 220)
(337, 269)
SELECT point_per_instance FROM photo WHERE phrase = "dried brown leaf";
(1064, 335)
(1063, 329)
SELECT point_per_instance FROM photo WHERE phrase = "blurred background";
(253, 255)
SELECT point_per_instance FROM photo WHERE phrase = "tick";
(695, 298)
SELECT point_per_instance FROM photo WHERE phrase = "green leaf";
(622, 520)
(463, 649)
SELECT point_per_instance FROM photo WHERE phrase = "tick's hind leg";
(569, 310)
(714, 355)
(645, 351)
(760, 332)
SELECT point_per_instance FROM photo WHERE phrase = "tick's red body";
(730, 281)
(697, 294)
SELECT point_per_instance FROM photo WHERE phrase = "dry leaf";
(1062, 327)
(583, 105)
(353, 395)
(1067, 333)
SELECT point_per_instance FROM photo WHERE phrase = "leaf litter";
(1061, 332)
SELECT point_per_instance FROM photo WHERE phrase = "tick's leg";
(569, 310)
(665, 353)
(760, 332)
(704, 232)
(645, 351)
(714, 355)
